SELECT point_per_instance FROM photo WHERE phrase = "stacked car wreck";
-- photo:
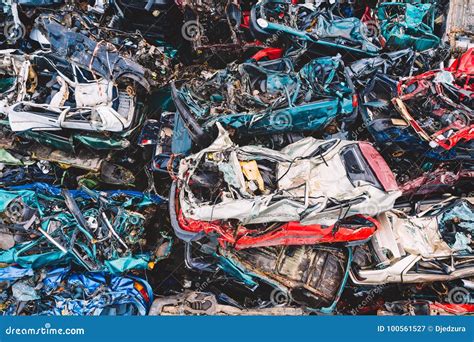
(235, 157)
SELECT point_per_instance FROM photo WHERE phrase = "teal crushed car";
(266, 98)
(320, 31)
(43, 225)
(407, 24)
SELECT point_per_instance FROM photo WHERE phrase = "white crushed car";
(50, 94)
(433, 245)
(310, 181)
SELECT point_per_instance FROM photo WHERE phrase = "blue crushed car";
(63, 292)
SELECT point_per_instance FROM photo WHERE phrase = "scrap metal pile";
(234, 157)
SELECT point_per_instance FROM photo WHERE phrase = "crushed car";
(218, 31)
(428, 114)
(256, 185)
(433, 245)
(63, 292)
(47, 97)
(200, 303)
(318, 29)
(44, 225)
(408, 24)
(269, 97)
